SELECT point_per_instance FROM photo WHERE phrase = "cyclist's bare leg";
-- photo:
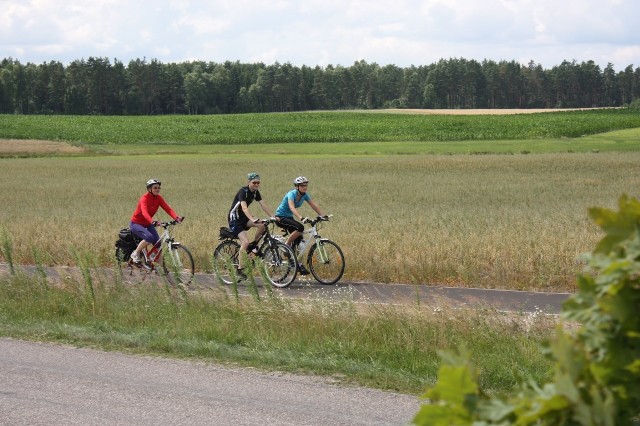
(244, 240)
(259, 231)
(143, 245)
(292, 237)
(244, 244)
(260, 228)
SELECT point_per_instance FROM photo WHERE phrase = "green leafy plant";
(596, 366)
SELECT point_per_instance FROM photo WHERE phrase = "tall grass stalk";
(7, 250)
(380, 346)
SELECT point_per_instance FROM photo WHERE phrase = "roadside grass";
(494, 221)
(377, 346)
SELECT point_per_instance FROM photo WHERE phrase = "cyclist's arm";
(293, 209)
(245, 210)
(167, 208)
(265, 208)
(144, 209)
(315, 207)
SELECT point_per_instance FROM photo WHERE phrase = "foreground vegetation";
(596, 378)
(378, 346)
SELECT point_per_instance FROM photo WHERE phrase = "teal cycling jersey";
(283, 209)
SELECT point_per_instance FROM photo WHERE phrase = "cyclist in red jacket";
(142, 222)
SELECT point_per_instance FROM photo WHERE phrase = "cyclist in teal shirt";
(288, 211)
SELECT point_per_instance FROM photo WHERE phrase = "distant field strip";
(313, 127)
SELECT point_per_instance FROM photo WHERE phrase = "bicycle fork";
(175, 257)
(322, 252)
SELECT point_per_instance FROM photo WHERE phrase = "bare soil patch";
(10, 147)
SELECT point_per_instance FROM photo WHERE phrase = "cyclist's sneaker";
(241, 275)
(135, 257)
(302, 270)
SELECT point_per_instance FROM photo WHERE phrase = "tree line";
(97, 86)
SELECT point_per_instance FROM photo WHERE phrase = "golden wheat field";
(495, 221)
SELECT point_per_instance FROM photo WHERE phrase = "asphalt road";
(50, 384)
(399, 294)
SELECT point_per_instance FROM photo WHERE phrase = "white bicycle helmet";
(300, 179)
(153, 182)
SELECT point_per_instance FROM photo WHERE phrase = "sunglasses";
(255, 183)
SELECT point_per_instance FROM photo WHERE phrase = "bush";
(597, 367)
(635, 104)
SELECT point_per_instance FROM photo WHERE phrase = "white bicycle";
(325, 259)
(167, 256)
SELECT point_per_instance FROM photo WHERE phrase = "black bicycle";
(276, 258)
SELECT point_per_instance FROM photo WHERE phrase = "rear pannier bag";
(126, 244)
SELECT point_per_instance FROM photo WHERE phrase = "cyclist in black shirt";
(241, 219)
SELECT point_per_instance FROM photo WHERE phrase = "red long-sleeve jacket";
(148, 206)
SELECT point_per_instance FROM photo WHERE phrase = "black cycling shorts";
(290, 224)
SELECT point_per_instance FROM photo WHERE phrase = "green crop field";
(335, 127)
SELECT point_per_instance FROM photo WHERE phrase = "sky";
(323, 32)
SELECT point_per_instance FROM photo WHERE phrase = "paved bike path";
(385, 293)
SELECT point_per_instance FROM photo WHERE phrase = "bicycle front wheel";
(326, 262)
(280, 264)
(178, 265)
(226, 261)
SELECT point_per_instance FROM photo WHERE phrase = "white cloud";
(322, 32)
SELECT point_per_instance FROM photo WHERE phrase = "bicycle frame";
(155, 252)
(277, 259)
(312, 233)
(165, 257)
(323, 257)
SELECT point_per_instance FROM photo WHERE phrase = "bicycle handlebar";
(325, 218)
(266, 221)
(310, 221)
(171, 223)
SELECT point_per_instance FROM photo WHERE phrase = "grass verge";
(377, 346)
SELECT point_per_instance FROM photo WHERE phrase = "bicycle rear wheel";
(326, 262)
(280, 264)
(225, 260)
(178, 265)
